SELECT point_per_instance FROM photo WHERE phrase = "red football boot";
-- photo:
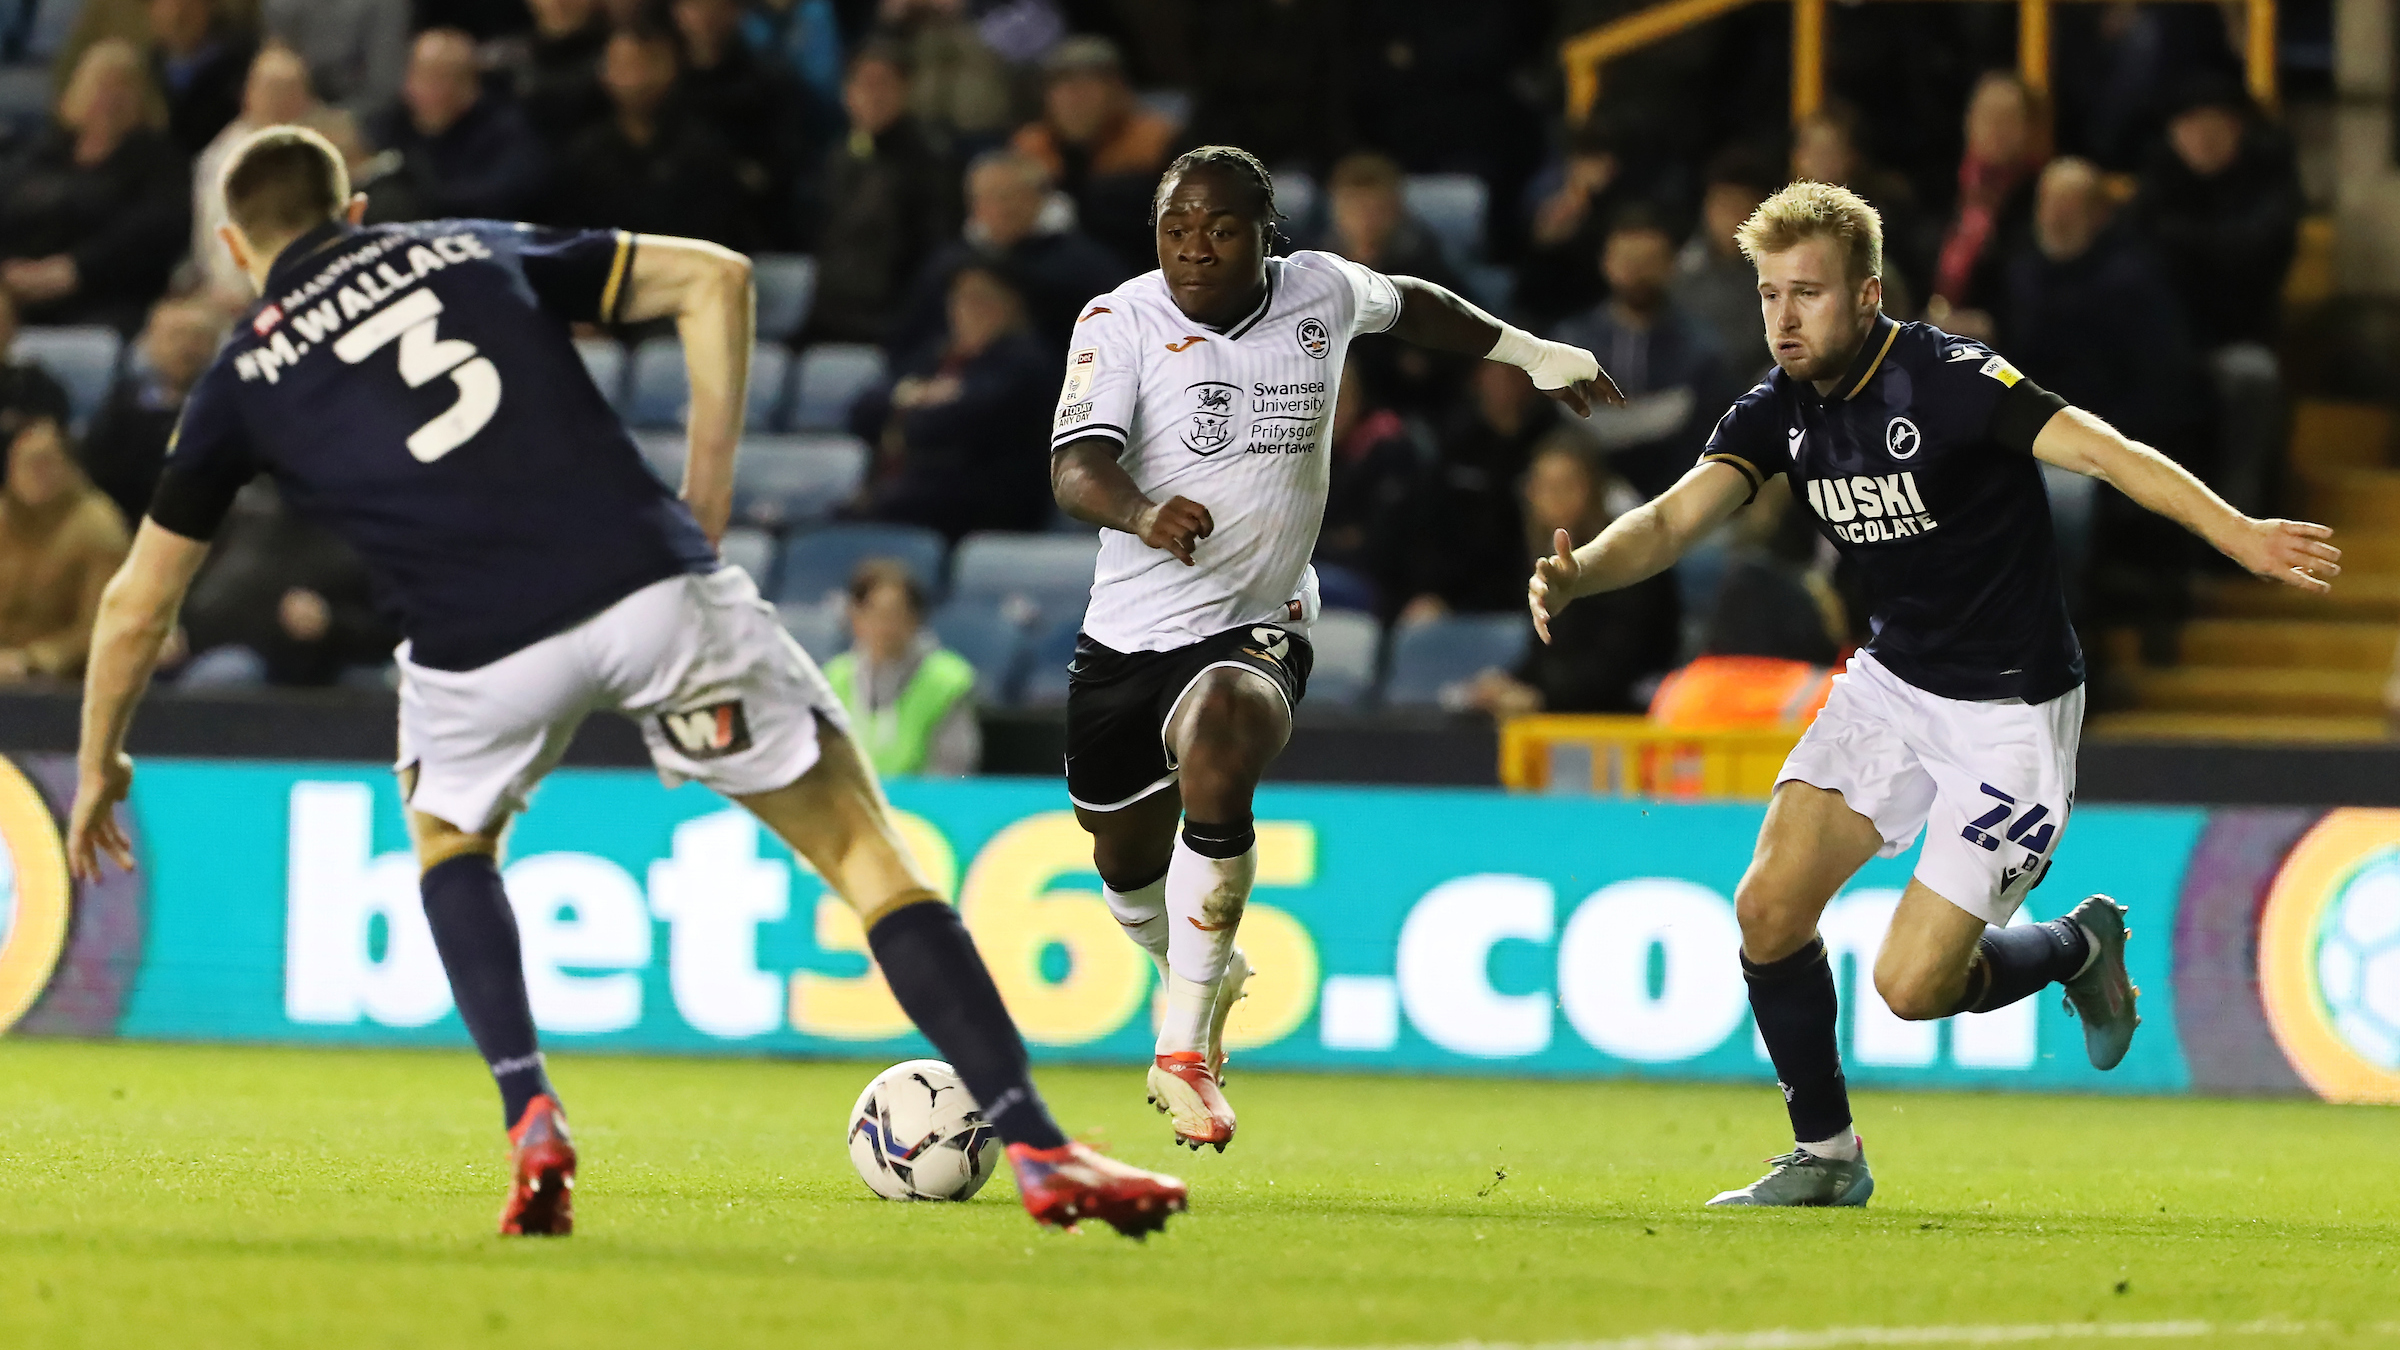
(1063, 1185)
(1187, 1093)
(542, 1202)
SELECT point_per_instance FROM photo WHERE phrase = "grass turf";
(194, 1196)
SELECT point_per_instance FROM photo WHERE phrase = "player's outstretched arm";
(1089, 484)
(137, 613)
(1437, 317)
(706, 289)
(2293, 552)
(1636, 546)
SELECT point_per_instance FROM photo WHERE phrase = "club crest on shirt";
(1901, 440)
(1211, 427)
(1315, 338)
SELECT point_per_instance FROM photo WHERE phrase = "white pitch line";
(1833, 1338)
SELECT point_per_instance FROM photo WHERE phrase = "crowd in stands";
(935, 187)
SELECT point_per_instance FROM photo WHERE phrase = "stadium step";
(2289, 643)
(2362, 595)
(2330, 438)
(2263, 692)
(2356, 499)
(2201, 726)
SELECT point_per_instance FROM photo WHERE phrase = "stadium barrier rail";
(1631, 756)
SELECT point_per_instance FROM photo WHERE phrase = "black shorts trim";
(1119, 703)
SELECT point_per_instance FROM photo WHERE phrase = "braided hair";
(1244, 167)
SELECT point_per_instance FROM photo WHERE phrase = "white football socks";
(1842, 1147)
(1205, 899)
(1143, 915)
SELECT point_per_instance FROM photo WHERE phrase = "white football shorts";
(1992, 782)
(723, 695)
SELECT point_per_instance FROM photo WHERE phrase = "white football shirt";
(1238, 420)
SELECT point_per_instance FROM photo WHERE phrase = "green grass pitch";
(193, 1196)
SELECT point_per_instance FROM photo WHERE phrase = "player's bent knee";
(1774, 922)
(1916, 995)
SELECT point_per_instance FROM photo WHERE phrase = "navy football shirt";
(415, 388)
(1919, 467)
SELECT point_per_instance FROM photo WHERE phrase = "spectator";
(356, 50)
(1601, 662)
(1449, 88)
(558, 77)
(652, 167)
(1661, 355)
(1713, 281)
(2221, 204)
(60, 541)
(128, 438)
(1271, 77)
(2008, 139)
(281, 601)
(1572, 204)
(1368, 223)
(1100, 145)
(1773, 633)
(277, 92)
(957, 83)
(962, 430)
(1466, 548)
(28, 393)
(92, 213)
(911, 700)
(753, 106)
(1826, 149)
(200, 61)
(462, 153)
(806, 37)
(890, 197)
(2086, 313)
(1377, 459)
(1009, 223)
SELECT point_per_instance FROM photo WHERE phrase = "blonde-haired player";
(1915, 452)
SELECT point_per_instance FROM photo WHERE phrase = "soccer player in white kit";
(1193, 429)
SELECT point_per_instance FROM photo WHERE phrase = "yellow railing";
(1632, 757)
(1586, 52)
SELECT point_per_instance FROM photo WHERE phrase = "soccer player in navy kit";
(416, 388)
(1915, 451)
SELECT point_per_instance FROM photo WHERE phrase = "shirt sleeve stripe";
(1106, 430)
(614, 291)
(1749, 471)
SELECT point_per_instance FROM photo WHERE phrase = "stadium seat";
(1345, 645)
(83, 358)
(659, 392)
(817, 563)
(1452, 205)
(1428, 656)
(978, 631)
(821, 628)
(750, 549)
(605, 359)
(787, 287)
(1044, 683)
(664, 452)
(1043, 578)
(831, 377)
(789, 480)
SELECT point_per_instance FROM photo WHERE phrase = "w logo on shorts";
(712, 732)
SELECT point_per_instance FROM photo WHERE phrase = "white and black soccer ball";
(917, 1135)
(2358, 962)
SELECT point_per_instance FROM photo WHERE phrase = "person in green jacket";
(911, 700)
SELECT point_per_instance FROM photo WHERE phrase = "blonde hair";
(1816, 210)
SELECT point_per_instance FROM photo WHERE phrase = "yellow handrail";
(1584, 54)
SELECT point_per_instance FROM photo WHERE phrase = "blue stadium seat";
(818, 562)
(605, 359)
(822, 629)
(831, 377)
(83, 358)
(787, 287)
(1452, 205)
(659, 393)
(750, 549)
(790, 480)
(978, 631)
(1044, 684)
(1346, 644)
(1048, 574)
(1444, 651)
(663, 450)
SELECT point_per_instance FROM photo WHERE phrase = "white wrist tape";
(1553, 365)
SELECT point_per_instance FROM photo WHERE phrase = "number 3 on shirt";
(425, 358)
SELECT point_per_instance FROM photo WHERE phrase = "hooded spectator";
(1100, 145)
(60, 542)
(889, 198)
(461, 151)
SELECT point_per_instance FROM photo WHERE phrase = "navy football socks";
(2014, 963)
(1796, 1007)
(940, 981)
(476, 933)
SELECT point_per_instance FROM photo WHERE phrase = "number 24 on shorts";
(2034, 829)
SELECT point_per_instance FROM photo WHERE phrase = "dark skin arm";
(1090, 485)
(1439, 318)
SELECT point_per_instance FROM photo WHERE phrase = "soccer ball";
(2358, 962)
(916, 1135)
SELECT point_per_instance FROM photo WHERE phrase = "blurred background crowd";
(933, 187)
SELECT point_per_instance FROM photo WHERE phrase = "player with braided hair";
(1194, 429)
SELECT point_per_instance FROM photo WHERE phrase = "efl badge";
(263, 322)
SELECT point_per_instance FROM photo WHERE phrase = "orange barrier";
(1627, 756)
